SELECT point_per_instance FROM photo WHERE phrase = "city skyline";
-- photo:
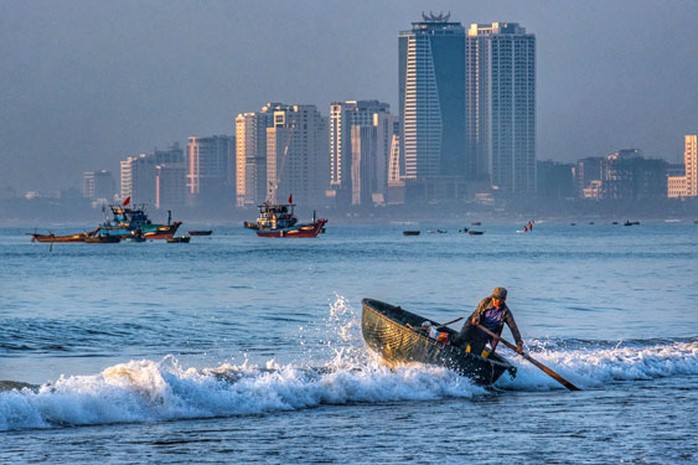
(136, 76)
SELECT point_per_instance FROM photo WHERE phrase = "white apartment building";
(501, 106)
(298, 155)
(360, 136)
(251, 154)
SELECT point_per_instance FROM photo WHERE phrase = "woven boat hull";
(394, 333)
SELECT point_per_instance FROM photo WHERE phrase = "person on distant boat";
(492, 313)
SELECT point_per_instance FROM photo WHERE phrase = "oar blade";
(545, 369)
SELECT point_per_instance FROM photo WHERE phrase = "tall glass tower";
(432, 102)
(501, 106)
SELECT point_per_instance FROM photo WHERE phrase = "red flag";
(290, 198)
(126, 201)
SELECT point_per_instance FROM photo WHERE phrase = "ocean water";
(238, 349)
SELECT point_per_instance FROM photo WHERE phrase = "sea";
(237, 349)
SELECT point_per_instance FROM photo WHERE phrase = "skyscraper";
(98, 185)
(251, 154)
(170, 186)
(501, 106)
(138, 173)
(298, 155)
(210, 173)
(432, 105)
(360, 136)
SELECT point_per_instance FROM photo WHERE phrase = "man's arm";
(509, 320)
(475, 317)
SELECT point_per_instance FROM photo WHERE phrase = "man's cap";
(499, 293)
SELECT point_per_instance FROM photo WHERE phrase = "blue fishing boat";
(132, 222)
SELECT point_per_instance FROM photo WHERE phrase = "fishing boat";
(80, 237)
(90, 237)
(399, 336)
(279, 220)
(133, 223)
(411, 232)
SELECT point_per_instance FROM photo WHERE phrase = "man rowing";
(492, 313)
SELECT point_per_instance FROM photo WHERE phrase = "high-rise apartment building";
(138, 173)
(686, 185)
(98, 185)
(360, 136)
(432, 106)
(170, 186)
(501, 106)
(210, 172)
(298, 155)
(251, 154)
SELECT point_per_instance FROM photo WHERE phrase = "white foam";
(144, 390)
(591, 368)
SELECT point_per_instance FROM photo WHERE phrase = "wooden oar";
(441, 325)
(547, 370)
(450, 322)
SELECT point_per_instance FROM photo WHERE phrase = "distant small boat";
(411, 232)
(631, 223)
(178, 239)
(200, 232)
(472, 232)
(476, 223)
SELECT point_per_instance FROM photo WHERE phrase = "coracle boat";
(133, 223)
(278, 220)
(401, 337)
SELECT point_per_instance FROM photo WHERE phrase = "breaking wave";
(148, 390)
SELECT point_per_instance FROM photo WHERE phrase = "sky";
(85, 84)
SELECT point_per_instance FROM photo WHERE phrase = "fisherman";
(491, 313)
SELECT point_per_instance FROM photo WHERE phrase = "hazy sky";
(84, 84)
